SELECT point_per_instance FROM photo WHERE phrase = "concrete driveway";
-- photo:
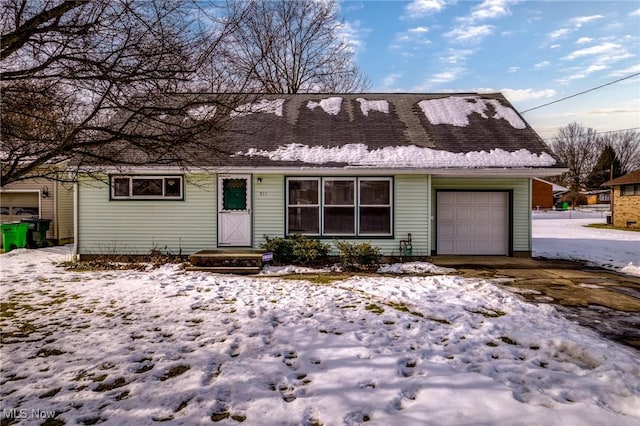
(605, 301)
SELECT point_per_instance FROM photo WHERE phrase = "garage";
(473, 222)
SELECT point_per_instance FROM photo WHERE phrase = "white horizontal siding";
(521, 202)
(138, 226)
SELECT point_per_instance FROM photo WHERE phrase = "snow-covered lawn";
(129, 347)
(563, 235)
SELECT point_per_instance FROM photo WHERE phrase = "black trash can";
(37, 233)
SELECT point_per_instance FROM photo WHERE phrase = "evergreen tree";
(602, 171)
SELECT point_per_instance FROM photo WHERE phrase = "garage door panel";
(475, 223)
(465, 215)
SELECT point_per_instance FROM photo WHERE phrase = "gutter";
(522, 172)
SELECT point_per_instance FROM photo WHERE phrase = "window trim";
(131, 178)
(356, 206)
(317, 205)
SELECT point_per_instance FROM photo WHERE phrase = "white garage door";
(15, 206)
(475, 223)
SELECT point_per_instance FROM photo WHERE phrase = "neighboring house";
(40, 198)
(450, 172)
(600, 196)
(625, 209)
(544, 193)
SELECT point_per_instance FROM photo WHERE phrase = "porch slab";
(232, 258)
(239, 270)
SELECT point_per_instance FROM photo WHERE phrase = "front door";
(234, 210)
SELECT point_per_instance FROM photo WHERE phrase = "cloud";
(445, 77)
(555, 46)
(470, 33)
(584, 40)
(420, 8)
(412, 35)
(594, 50)
(490, 9)
(562, 32)
(627, 71)
(584, 73)
(391, 79)
(517, 95)
(581, 20)
(635, 13)
(542, 64)
(456, 56)
(512, 70)
(352, 33)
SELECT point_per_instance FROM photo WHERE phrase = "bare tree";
(294, 46)
(84, 81)
(626, 145)
(578, 148)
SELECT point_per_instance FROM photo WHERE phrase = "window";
(630, 189)
(146, 187)
(335, 206)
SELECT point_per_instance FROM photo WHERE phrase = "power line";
(582, 93)
(599, 133)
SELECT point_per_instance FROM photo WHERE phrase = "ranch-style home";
(451, 173)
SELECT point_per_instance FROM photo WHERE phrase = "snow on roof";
(330, 105)
(366, 106)
(455, 110)
(403, 156)
(202, 112)
(268, 106)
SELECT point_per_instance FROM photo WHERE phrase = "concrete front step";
(227, 259)
(240, 270)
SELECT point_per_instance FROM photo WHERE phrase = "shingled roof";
(424, 131)
(628, 179)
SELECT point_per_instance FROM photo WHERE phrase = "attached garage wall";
(57, 206)
(137, 226)
(521, 213)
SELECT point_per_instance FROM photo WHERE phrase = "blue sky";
(534, 52)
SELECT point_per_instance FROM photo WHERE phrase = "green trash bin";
(14, 235)
(37, 234)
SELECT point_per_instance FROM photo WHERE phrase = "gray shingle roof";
(304, 119)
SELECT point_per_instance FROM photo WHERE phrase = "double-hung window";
(147, 187)
(336, 206)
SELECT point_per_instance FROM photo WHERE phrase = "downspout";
(56, 227)
(530, 218)
(430, 211)
(75, 219)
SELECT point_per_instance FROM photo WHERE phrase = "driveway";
(602, 300)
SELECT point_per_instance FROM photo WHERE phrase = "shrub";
(354, 255)
(296, 249)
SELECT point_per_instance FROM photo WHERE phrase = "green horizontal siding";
(138, 226)
(268, 207)
(521, 203)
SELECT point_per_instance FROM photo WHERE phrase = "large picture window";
(146, 187)
(334, 206)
